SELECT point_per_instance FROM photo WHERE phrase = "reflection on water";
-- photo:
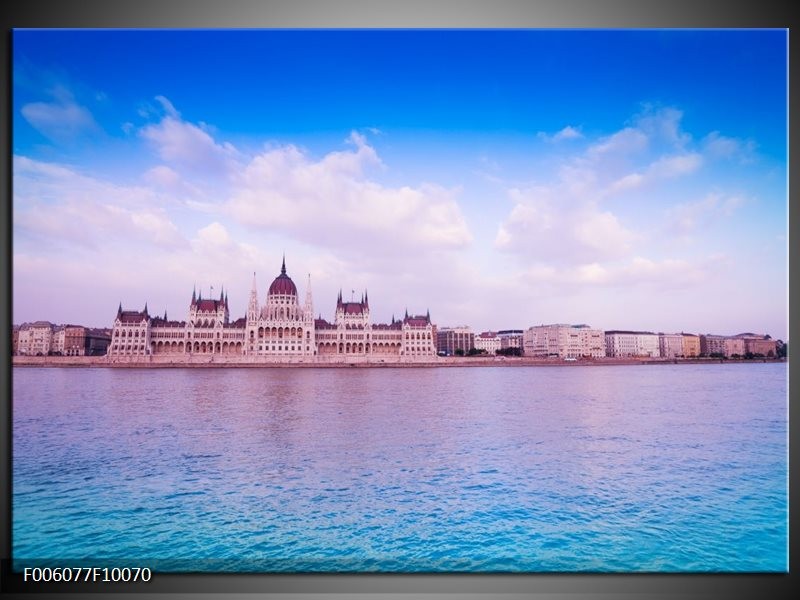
(639, 468)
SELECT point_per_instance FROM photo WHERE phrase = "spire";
(119, 310)
(194, 293)
(366, 297)
(145, 308)
(428, 315)
(221, 293)
(283, 265)
(252, 308)
(165, 313)
(406, 312)
(309, 301)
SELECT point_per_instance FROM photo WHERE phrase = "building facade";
(734, 347)
(628, 344)
(510, 338)
(57, 344)
(691, 345)
(449, 340)
(564, 341)
(282, 329)
(35, 339)
(758, 344)
(488, 341)
(74, 340)
(670, 345)
(712, 345)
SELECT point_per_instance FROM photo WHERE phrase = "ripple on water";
(609, 469)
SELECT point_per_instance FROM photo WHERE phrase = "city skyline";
(626, 179)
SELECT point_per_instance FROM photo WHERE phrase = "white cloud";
(185, 144)
(63, 120)
(719, 146)
(582, 229)
(567, 133)
(168, 107)
(687, 217)
(626, 141)
(162, 175)
(662, 125)
(674, 166)
(628, 273)
(57, 204)
(282, 188)
(543, 228)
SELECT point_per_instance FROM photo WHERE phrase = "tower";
(252, 307)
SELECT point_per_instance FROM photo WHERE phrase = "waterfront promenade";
(215, 361)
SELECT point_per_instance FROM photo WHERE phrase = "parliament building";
(280, 330)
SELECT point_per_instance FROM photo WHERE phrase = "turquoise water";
(543, 469)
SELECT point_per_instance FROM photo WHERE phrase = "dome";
(283, 284)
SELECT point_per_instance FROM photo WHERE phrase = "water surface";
(607, 468)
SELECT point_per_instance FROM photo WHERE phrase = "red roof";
(323, 324)
(208, 305)
(395, 325)
(132, 316)
(353, 308)
(417, 321)
(283, 285)
(160, 322)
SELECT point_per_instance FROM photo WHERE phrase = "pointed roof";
(283, 284)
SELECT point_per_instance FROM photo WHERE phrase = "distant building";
(510, 338)
(451, 339)
(564, 341)
(758, 344)
(282, 329)
(74, 340)
(488, 341)
(691, 345)
(670, 345)
(712, 345)
(620, 344)
(35, 339)
(57, 344)
(96, 342)
(734, 347)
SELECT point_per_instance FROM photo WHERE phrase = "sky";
(625, 179)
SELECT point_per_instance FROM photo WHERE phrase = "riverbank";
(450, 361)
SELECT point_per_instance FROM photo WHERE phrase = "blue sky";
(499, 178)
